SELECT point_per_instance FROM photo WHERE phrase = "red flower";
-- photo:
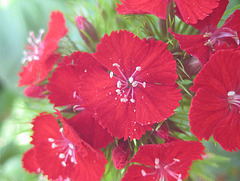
(139, 88)
(168, 161)
(120, 154)
(215, 107)
(212, 39)
(61, 153)
(190, 10)
(40, 53)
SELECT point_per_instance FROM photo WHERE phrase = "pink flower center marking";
(125, 86)
(77, 107)
(65, 149)
(233, 98)
(34, 47)
(220, 36)
(161, 171)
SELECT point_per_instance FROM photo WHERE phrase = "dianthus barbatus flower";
(216, 105)
(139, 88)
(169, 161)
(61, 153)
(211, 38)
(39, 53)
(190, 10)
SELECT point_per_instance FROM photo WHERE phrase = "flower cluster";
(120, 98)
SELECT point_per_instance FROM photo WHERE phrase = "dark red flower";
(215, 107)
(212, 39)
(169, 161)
(120, 154)
(190, 10)
(40, 53)
(61, 153)
(139, 88)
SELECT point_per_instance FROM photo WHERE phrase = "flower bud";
(35, 91)
(87, 32)
(120, 154)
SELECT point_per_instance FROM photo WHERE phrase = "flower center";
(162, 171)
(233, 98)
(125, 86)
(34, 47)
(220, 36)
(65, 149)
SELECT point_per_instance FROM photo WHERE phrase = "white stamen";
(134, 84)
(177, 160)
(144, 84)
(157, 161)
(118, 91)
(74, 94)
(138, 68)
(130, 80)
(111, 74)
(54, 145)
(61, 130)
(70, 152)
(119, 84)
(231, 93)
(51, 140)
(143, 173)
(115, 64)
(61, 156)
(64, 163)
(71, 145)
(123, 99)
(132, 100)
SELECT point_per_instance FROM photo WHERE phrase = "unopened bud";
(120, 154)
(87, 32)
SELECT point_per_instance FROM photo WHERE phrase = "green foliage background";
(17, 18)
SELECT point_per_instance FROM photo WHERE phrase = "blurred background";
(17, 18)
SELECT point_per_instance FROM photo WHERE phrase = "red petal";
(29, 162)
(209, 24)
(194, 45)
(123, 48)
(193, 10)
(46, 66)
(90, 130)
(206, 112)
(219, 74)
(158, 66)
(29, 73)
(155, 7)
(63, 84)
(152, 108)
(227, 131)
(56, 31)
